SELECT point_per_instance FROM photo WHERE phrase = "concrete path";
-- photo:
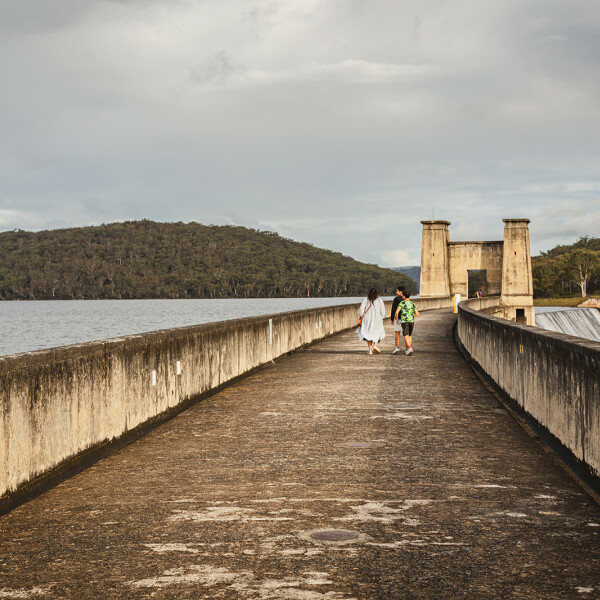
(440, 492)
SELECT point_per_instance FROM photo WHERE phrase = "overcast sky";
(343, 123)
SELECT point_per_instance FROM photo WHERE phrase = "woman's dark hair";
(372, 295)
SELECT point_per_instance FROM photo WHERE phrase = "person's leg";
(397, 345)
(370, 344)
(408, 337)
(406, 334)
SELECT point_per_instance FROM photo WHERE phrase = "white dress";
(371, 328)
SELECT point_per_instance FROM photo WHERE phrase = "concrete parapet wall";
(553, 377)
(431, 303)
(56, 404)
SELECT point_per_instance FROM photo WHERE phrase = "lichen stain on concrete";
(223, 513)
(508, 513)
(204, 575)
(404, 416)
(36, 591)
(182, 501)
(378, 511)
(301, 552)
(490, 485)
(245, 583)
(161, 548)
(415, 542)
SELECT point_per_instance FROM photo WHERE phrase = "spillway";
(580, 322)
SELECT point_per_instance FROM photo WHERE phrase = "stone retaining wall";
(57, 404)
(553, 377)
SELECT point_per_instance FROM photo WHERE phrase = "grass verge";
(558, 301)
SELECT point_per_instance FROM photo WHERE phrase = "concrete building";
(445, 267)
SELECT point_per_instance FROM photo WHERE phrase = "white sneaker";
(396, 349)
(409, 352)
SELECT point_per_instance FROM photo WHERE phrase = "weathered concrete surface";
(464, 256)
(451, 495)
(553, 377)
(59, 403)
(60, 408)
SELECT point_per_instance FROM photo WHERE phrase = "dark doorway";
(477, 282)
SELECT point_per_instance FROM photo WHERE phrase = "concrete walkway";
(440, 492)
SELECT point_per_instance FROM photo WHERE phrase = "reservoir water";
(34, 325)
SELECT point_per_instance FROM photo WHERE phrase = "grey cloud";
(219, 68)
(303, 116)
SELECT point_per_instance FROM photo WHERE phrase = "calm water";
(34, 325)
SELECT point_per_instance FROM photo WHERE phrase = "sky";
(342, 123)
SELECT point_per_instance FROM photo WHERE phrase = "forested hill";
(144, 259)
(572, 270)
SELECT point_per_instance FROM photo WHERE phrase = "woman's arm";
(362, 308)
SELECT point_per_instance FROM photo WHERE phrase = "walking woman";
(371, 315)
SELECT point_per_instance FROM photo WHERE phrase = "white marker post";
(455, 303)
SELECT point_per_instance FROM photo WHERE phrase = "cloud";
(395, 258)
(222, 70)
(341, 123)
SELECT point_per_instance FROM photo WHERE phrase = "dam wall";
(60, 408)
(553, 377)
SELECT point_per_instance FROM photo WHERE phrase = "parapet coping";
(435, 223)
(11, 362)
(497, 243)
(34, 358)
(569, 343)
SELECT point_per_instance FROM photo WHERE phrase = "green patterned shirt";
(407, 311)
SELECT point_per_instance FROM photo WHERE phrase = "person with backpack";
(406, 313)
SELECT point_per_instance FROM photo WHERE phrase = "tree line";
(145, 259)
(572, 270)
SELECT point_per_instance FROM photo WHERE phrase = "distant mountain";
(144, 259)
(414, 273)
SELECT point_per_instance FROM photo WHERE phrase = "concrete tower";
(445, 267)
(517, 279)
(434, 259)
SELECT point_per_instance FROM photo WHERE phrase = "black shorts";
(407, 328)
